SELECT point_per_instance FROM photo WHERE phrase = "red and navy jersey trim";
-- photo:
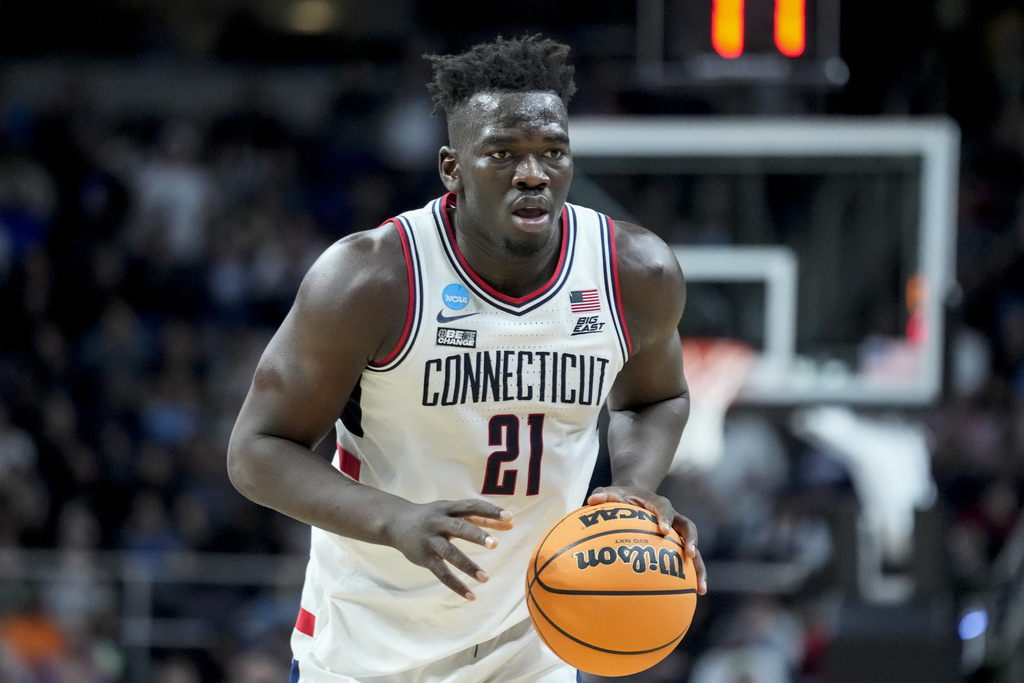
(414, 312)
(611, 284)
(513, 305)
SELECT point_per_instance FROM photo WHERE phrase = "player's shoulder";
(651, 282)
(369, 264)
(644, 258)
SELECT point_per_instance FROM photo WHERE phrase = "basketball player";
(467, 347)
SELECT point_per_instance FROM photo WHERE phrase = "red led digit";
(790, 27)
(727, 27)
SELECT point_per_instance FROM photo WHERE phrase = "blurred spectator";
(28, 202)
(17, 448)
(408, 135)
(149, 534)
(33, 636)
(173, 208)
(12, 670)
(761, 642)
(82, 592)
(177, 670)
(257, 667)
(174, 198)
(115, 354)
(22, 493)
(36, 648)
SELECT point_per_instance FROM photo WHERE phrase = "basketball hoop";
(716, 369)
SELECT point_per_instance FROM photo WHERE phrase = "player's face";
(511, 167)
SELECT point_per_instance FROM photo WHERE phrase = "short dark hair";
(526, 64)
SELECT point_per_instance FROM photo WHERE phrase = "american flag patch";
(583, 300)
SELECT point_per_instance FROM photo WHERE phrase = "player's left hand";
(667, 516)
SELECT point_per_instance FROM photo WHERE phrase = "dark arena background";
(842, 184)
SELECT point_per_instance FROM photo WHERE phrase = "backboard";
(825, 243)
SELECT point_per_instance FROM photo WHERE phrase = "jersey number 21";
(503, 430)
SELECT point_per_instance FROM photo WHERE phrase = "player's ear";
(448, 167)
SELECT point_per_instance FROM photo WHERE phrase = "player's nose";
(530, 172)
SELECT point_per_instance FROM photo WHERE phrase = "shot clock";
(686, 42)
(728, 27)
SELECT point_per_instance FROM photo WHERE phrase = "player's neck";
(511, 270)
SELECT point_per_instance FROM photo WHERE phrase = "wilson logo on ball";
(642, 558)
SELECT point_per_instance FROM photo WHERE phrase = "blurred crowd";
(145, 260)
(143, 264)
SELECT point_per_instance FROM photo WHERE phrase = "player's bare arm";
(350, 310)
(650, 402)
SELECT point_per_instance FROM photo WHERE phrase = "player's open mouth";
(531, 216)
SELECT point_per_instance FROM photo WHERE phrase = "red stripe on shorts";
(306, 622)
(348, 463)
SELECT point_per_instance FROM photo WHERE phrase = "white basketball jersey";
(487, 397)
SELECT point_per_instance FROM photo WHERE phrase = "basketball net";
(716, 369)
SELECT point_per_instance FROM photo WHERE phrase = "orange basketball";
(607, 592)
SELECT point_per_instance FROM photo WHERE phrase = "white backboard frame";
(935, 140)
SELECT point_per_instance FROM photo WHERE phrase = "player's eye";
(500, 154)
(555, 154)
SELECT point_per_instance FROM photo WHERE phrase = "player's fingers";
(612, 494)
(458, 559)
(458, 527)
(480, 513)
(688, 533)
(702, 573)
(659, 506)
(446, 576)
(662, 508)
(488, 523)
(476, 508)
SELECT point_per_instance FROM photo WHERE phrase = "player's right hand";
(424, 533)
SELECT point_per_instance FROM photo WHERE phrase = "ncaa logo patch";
(455, 296)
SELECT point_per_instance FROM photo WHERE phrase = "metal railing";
(147, 594)
(152, 612)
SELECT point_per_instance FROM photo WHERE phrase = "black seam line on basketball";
(538, 632)
(546, 537)
(584, 643)
(622, 593)
(599, 535)
(531, 580)
(540, 545)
